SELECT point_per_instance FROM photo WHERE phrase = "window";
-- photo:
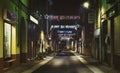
(7, 40)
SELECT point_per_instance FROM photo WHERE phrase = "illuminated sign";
(64, 32)
(65, 26)
(62, 17)
(65, 36)
(33, 19)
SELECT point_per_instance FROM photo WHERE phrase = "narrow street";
(64, 62)
(59, 36)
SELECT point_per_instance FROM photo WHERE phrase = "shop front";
(32, 38)
(9, 39)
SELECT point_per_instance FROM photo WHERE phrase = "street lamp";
(86, 5)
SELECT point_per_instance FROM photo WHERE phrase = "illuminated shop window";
(7, 40)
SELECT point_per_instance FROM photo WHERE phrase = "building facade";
(107, 48)
(13, 34)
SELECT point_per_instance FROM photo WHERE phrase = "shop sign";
(9, 15)
(33, 19)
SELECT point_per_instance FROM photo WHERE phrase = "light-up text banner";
(64, 31)
(65, 26)
(62, 17)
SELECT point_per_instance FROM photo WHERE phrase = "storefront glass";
(7, 40)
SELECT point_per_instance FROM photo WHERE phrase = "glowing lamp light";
(42, 35)
(86, 5)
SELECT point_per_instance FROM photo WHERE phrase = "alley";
(59, 36)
